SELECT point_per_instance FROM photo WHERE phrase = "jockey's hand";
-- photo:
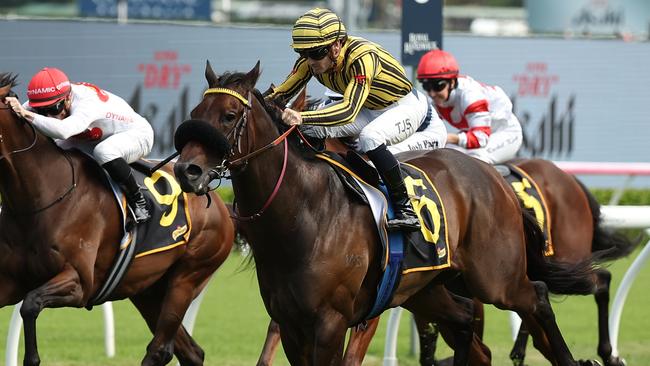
(452, 138)
(291, 117)
(18, 108)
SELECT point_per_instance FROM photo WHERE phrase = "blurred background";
(592, 18)
(575, 70)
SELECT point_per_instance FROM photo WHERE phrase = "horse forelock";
(7, 78)
(7, 81)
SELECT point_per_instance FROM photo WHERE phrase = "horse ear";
(253, 75)
(210, 76)
(300, 101)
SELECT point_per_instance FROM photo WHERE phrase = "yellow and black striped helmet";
(317, 27)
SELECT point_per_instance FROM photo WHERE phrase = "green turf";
(232, 323)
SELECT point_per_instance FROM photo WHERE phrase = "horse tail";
(607, 245)
(560, 277)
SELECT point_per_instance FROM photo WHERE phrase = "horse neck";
(255, 183)
(25, 175)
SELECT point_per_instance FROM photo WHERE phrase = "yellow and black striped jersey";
(365, 73)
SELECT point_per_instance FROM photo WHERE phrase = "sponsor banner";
(148, 9)
(578, 100)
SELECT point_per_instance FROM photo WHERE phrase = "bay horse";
(317, 252)
(577, 234)
(60, 228)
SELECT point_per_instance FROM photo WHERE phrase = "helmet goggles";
(317, 53)
(436, 85)
(52, 109)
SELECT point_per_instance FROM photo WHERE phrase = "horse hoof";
(449, 361)
(615, 361)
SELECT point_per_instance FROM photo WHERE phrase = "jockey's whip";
(163, 162)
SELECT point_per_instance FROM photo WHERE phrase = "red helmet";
(437, 64)
(47, 87)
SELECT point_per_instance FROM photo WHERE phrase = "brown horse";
(317, 252)
(60, 229)
(453, 312)
(576, 234)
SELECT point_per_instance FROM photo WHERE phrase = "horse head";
(15, 134)
(220, 128)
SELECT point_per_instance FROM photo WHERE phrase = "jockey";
(489, 130)
(431, 135)
(91, 119)
(379, 103)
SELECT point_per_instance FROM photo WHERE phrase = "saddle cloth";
(531, 199)
(424, 250)
(169, 226)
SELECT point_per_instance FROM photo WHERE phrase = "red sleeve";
(472, 140)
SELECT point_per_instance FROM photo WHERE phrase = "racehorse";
(576, 234)
(317, 252)
(60, 229)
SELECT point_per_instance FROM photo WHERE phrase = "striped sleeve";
(363, 71)
(298, 78)
(479, 122)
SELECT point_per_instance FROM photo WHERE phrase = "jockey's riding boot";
(388, 167)
(121, 173)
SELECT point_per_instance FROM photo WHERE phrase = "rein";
(219, 171)
(60, 198)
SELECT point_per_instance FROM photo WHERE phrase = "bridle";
(31, 145)
(236, 134)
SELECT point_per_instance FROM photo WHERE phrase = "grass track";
(232, 323)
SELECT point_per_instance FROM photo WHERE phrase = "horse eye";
(229, 117)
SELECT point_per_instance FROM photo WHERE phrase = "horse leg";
(454, 313)
(603, 279)
(188, 352)
(518, 352)
(544, 317)
(9, 291)
(428, 333)
(62, 290)
(329, 339)
(149, 305)
(360, 338)
(270, 345)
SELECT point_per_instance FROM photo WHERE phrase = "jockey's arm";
(363, 71)
(479, 121)
(76, 123)
(298, 78)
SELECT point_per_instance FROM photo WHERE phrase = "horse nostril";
(193, 171)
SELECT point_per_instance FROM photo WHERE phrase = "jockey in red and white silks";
(488, 129)
(94, 120)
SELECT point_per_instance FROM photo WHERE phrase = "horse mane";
(7, 78)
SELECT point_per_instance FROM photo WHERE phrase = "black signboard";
(421, 29)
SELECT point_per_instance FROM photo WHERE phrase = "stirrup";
(404, 224)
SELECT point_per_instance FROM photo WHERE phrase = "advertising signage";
(149, 9)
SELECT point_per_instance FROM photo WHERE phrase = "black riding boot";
(121, 173)
(388, 167)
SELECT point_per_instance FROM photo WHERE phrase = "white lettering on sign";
(419, 42)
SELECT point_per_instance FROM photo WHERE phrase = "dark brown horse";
(576, 235)
(60, 229)
(317, 252)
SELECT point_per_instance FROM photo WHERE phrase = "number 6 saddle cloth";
(170, 224)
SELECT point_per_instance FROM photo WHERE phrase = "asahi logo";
(550, 134)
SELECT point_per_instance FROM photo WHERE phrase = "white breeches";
(389, 126)
(502, 145)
